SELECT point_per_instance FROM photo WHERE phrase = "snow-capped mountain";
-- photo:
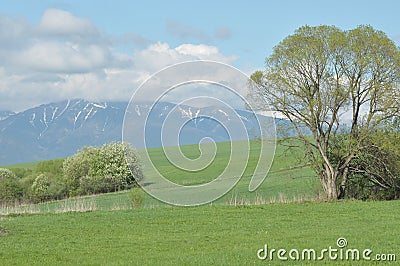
(5, 114)
(60, 129)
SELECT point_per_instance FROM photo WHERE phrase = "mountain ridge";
(60, 129)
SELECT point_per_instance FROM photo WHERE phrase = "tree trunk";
(329, 185)
(332, 191)
(343, 183)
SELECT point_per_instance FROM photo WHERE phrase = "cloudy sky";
(103, 50)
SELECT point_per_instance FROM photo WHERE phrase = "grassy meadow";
(286, 212)
(285, 182)
(207, 235)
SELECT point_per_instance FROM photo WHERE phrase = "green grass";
(208, 235)
(108, 232)
(284, 182)
(28, 165)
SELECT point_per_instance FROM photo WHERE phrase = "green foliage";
(375, 172)
(21, 172)
(103, 169)
(90, 171)
(110, 165)
(31, 180)
(54, 167)
(317, 75)
(26, 184)
(47, 187)
(10, 190)
(136, 197)
(6, 174)
(93, 185)
(77, 167)
(41, 186)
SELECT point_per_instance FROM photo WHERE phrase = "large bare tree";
(332, 82)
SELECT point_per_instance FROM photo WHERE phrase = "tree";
(10, 189)
(77, 167)
(40, 187)
(111, 167)
(50, 166)
(375, 174)
(47, 187)
(116, 163)
(6, 174)
(318, 78)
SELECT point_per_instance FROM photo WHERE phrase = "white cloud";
(60, 42)
(202, 51)
(160, 55)
(60, 22)
(64, 56)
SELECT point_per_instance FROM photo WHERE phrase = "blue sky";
(53, 50)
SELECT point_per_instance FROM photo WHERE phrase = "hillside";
(287, 180)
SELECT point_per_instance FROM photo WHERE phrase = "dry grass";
(77, 205)
(69, 205)
(16, 208)
(260, 200)
(120, 205)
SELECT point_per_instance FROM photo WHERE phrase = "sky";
(103, 50)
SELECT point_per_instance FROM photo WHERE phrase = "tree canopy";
(332, 82)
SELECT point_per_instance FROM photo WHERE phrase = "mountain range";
(60, 129)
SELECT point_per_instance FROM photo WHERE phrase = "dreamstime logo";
(201, 102)
(338, 252)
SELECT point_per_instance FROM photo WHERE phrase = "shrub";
(136, 197)
(111, 163)
(54, 167)
(374, 173)
(94, 185)
(76, 167)
(6, 174)
(47, 187)
(21, 172)
(26, 184)
(40, 187)
(10, 190)
(103, 169)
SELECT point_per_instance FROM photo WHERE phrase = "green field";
(286, 212)
(284, 183)
(208, 235)
(29, 165)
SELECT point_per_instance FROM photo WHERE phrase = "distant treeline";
(92, 170)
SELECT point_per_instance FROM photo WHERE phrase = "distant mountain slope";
(5, 114)
(60, 129)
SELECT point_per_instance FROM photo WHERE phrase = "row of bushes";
(374, 173)
(109, 168)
